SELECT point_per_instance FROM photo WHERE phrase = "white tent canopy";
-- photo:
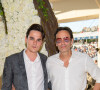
(86, 35)
(76, 10)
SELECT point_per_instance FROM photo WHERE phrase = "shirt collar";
(26, 57)
(57, 56)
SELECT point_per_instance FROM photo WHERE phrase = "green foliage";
(44, 10)
(90, 40)
(1, 10)
(3, 17)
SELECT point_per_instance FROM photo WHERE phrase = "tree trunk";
(49, 23)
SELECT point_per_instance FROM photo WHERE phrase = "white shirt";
(74, 76)
(34, 73)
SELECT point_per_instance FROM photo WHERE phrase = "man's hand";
(13, 88)
(96, 86)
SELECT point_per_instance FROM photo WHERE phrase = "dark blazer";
(14, 72)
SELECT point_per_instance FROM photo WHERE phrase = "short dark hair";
(35, 27)
(66, 29)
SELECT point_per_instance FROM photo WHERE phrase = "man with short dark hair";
(27, 70)
(68, 69)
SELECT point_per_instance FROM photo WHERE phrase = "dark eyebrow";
(31, 37)
(64, 37)
(39, 39)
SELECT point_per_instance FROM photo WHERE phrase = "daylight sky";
(78, 26)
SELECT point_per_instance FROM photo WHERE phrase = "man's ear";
(72, 41)
(26, 41)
